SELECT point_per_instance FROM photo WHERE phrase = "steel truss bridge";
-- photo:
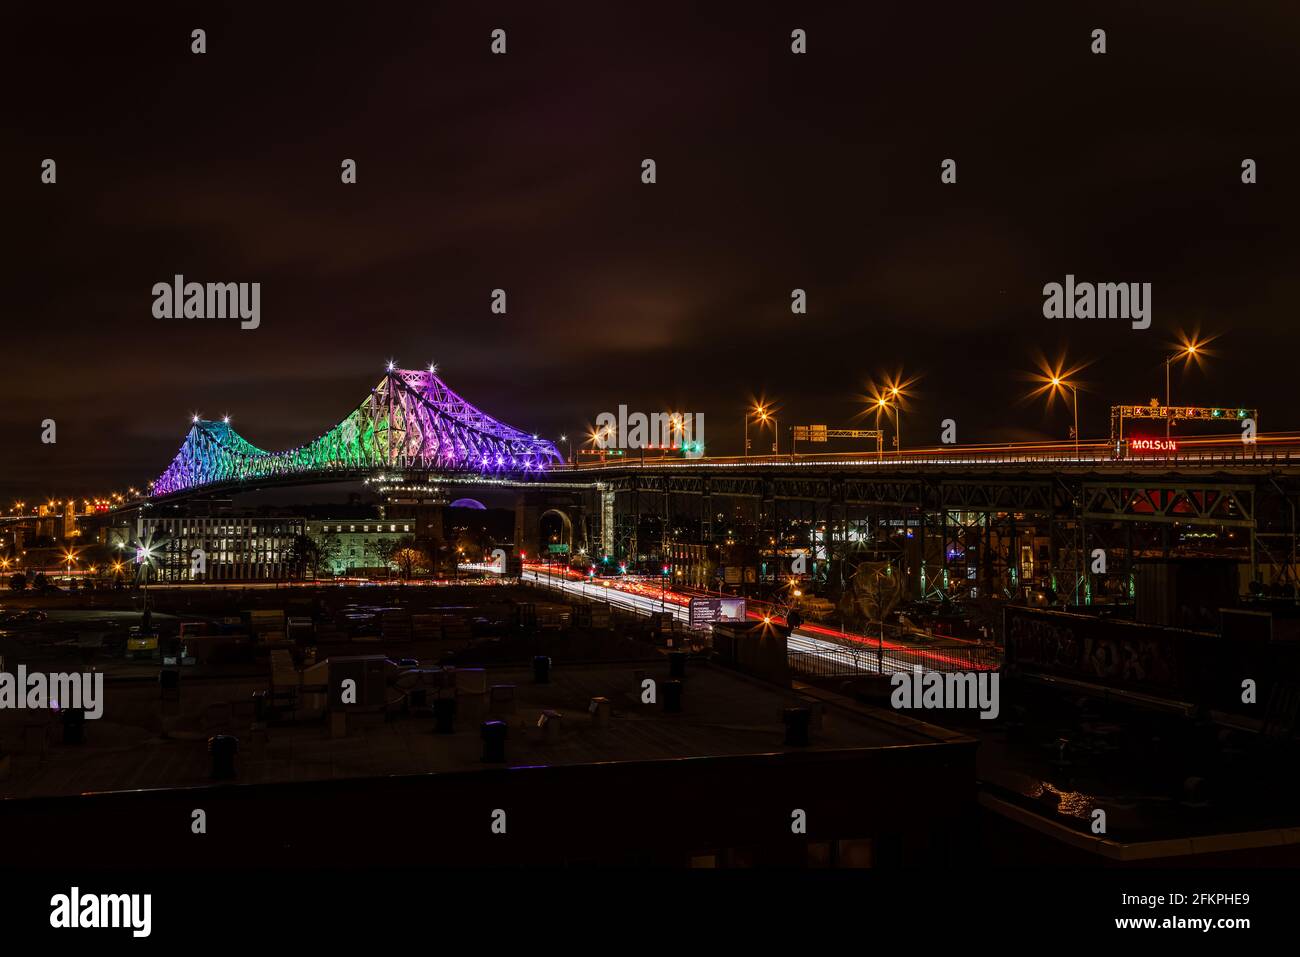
(959, 520)
(410, 420)
(967, 527)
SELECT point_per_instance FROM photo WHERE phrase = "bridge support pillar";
(607, 522)
(528, 528)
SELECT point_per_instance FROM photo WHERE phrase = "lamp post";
(143, 554)
(1188, 351)
(890, 396)
(882, 403)
(1059, 383)
(898, 420)
(763, 415)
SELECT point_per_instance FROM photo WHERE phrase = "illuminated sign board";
(704, 612)
(1152, 445)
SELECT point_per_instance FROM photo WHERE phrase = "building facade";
(222, 548)
(352, 546)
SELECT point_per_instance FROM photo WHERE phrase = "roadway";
(1218, 453)
(636, 597)
(1272, 450)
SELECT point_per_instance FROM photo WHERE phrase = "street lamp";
(882, 403)
(600, 438)
(892, 396)
(1190, 350)
(1055, 379)
(143, 556)
(763, 414)
(898, 418)
(1059, 383)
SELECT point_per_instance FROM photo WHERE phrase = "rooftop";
(142, 743)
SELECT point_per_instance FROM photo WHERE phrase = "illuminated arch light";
(469, 503)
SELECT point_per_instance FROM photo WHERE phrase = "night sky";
(522, 171)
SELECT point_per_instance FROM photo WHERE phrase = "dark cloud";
(522, 172)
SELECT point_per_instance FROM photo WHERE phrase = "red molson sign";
(1152, 445)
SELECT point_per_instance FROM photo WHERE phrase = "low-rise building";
(222, 548)
(352, 546)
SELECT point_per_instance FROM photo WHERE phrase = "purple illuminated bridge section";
(410, 420)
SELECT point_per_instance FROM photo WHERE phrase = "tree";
(328, 549)
(472, 544)
(18, 582)
(40, 582)
(303, 554)
(385, 550)
(409, 557)
(878, 588)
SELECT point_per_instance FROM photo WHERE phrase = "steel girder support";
(1168, 502)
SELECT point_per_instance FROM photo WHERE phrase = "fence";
(842, 661)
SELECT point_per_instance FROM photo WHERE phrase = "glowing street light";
(893, 395)
(1054, 380)
(1058, 383)
(763, 413)
(1191, 349)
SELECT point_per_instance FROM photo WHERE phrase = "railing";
(1271, 451)
(838, 662)
(1152, 462)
